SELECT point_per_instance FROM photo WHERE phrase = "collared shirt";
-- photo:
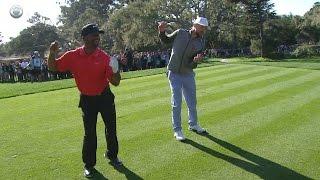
(91, 71)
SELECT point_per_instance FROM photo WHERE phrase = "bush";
(275, 55)
(255, 46)
(307, 51)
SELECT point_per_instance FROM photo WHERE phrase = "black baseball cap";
(89, 29)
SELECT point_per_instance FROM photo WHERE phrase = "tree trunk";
(261, 33)
(261, 39)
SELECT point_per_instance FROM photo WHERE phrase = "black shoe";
(116, 162)
(89, 172)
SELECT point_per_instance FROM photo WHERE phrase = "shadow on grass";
(98, 176)
(127, 172)
(260, 166)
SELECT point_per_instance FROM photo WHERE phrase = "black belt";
(106, 91)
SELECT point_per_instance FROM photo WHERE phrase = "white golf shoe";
(197, 128)
(179, 136)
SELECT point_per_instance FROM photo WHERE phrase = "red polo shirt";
(90, 71)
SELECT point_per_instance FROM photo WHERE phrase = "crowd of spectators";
(285, 49)
(35, 68)
(225, 53)
(131, 61)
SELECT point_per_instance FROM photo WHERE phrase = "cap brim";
(101, 32)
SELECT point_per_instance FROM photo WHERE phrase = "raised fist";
(162, 26)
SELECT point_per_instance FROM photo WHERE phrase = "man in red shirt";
(92, 69)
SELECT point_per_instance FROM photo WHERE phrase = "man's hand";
(198, 58)
(162, 26)
(115, 79)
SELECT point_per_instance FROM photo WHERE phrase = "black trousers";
(91, 106)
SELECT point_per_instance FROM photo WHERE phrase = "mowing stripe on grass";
(161, 85)
(283, 103)
(290, 131)
(264, 113)
(241, 98)
(256, 110)
(237, 124)
(224, 107)
(167, 107)
(161, 103)
(245, 84)
(156, 101)
(301, 96)
(155, 83)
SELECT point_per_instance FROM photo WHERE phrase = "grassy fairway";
(263, 123)
(18, 89)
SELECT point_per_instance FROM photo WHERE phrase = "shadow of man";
(260, 166)
(98, 176)
(127, 172)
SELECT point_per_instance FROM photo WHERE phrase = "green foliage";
(312, 17)
(72, 11)
(138, 32)
(228, 25)
(32, 38)
(308, 35)
(38, 18)
(310, 26)
(233, 24)
(76, 14)
(255, 46)
(281, 31)
(88, 16)
(307, 51)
